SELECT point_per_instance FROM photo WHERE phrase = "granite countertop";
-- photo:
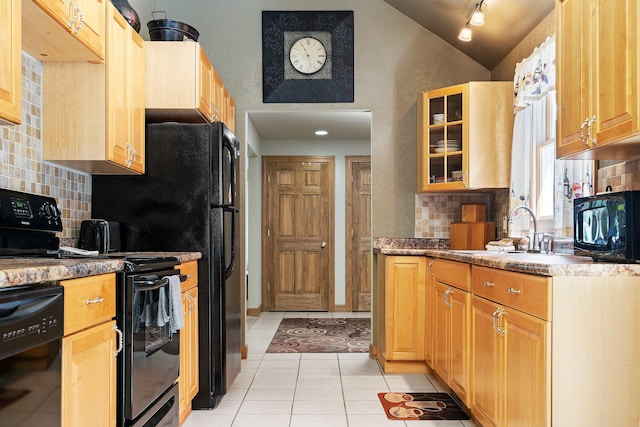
(543, 265)
(21, 271)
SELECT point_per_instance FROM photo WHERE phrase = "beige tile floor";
(310, 389)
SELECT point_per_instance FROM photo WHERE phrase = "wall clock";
(307, 56)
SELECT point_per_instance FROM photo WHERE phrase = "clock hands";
(307, 53)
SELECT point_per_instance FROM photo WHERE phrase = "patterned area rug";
(420, 406)
(322, 336)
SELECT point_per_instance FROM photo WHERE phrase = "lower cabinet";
(188, 385)
(89, 352)
(510, 359)
(451, 328)
(401, 293)
(430, 318)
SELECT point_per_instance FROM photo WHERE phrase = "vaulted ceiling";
(507, 22)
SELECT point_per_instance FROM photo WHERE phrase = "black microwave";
(607, 226)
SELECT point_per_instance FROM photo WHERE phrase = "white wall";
(253, 194)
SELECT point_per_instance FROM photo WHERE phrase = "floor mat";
(420, 406)
(349, 335)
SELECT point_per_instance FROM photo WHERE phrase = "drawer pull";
(488, 284)
(513, 291)
(96, 300)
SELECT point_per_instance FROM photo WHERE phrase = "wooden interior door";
(358, 231)
(298, 229)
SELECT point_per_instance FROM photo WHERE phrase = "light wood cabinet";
(597, 79)
(511, 348)
(430, 318)
(188, 381)
(125, 94)
(11, 64)
(464, 137)
(401, 296)
(451, 328)
(183, 86)
(89, 346)
(93, 117)
(65, 30)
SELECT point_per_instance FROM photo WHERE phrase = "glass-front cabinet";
(464, 137)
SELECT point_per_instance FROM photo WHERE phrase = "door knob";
(323, 244)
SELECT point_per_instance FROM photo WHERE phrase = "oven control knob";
(50, 211)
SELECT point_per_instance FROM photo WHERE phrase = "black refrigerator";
(186, 201)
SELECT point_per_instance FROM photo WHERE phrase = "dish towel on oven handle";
(175, 303)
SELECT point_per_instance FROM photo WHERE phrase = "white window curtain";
(546, 185)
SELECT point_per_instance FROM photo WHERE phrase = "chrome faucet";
(536, 238)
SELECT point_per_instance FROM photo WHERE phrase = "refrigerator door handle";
(228, 269)
(229, 192)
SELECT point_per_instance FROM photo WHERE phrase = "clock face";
(308, 55)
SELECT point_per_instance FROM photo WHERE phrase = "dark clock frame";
(276, 88)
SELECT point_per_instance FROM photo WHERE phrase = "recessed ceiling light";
(321, 132)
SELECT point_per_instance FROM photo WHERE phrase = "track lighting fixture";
(476, 19)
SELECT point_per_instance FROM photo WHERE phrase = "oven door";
(152, 352)
(163, 413)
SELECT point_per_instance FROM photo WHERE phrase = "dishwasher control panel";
(30, 316)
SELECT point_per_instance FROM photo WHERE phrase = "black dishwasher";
(31, 326)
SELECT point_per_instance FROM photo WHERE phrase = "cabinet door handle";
(589, 137)
(448, 292)
(80, 23)
(429, 268)
(191, 304)
(96, 300)
(499, 328)
(131, 155)
(120, 341)
(494, 316)
(72, 14)
(488, 284)
(513, 291)
(582, 138)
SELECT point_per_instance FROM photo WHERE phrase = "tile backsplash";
(621, 177)
(435, 212)
(21, 158)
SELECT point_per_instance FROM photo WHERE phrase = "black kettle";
(128, 13)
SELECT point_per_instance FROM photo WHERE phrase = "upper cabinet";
(64, 30)
(464, 137)
(11, 63)
(183, 86)
(598, 78)
(94, 114)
